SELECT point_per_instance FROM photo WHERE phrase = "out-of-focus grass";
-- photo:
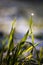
(21, 54)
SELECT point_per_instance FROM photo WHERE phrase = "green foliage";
(21, 53)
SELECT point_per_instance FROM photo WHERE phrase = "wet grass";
(22, 53)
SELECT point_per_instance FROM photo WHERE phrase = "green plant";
(16, 55)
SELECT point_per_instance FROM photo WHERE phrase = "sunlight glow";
(32, 14)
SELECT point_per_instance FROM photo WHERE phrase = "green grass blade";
(30, 22)
(23, 40)
(10, 41)
(30, 48)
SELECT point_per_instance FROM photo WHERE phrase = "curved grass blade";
(10, 43)
(19, 47)
(30, 48)
(11, 33)
(23, 40)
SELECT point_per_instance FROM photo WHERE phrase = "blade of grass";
(19, 46)
(23, 40)
(30, 48)
(10, 43)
